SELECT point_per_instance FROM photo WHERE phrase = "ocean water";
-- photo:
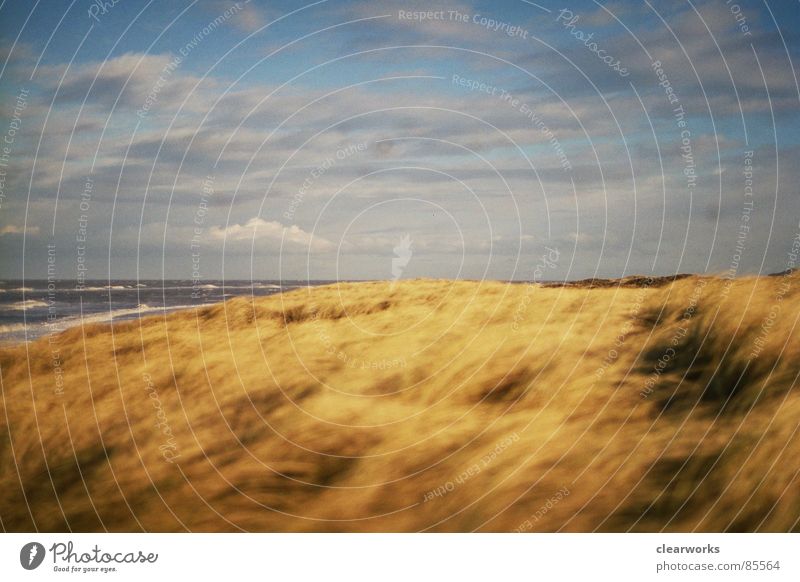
(31, 309)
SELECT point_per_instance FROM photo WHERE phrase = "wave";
(253, 286)
(36, 329)
(25, 305)
(135, 286)
(211, 286)
(140, 310)
(15, 327)
(106, 288)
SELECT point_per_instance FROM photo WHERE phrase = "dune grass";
(425, 405)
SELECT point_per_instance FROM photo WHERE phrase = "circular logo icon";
(31, 555)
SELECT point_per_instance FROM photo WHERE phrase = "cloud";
(271, 230)
(128, 82)
(247, 16)
(11, 229)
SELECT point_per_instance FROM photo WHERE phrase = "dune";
(425, 405)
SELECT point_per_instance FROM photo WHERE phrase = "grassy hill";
(426, 405)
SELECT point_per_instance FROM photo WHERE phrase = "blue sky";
(296, 140)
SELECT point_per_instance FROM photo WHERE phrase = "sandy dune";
(427, 405)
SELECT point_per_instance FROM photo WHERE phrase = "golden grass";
(429, 405)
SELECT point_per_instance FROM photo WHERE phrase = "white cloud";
(12, 229)
(271, 230)
(247, 16)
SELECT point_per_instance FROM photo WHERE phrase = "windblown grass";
(428, 405)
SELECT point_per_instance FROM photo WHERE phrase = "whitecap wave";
(14, 327)
(107, 288)
(24, 305)
(142, 309)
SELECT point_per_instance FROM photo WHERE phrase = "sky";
(510, 140)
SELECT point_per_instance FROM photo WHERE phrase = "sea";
(32, 309)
